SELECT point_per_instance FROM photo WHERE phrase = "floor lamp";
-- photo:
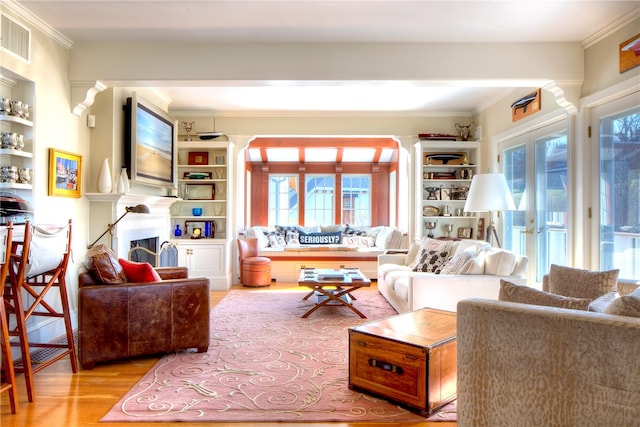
(143, 209)
(489, 192)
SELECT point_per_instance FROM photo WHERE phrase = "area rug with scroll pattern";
(266, 364)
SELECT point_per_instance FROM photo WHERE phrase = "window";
(283, 199)
(311, 181)
(356, 199)
(619, 190)
(319, 199)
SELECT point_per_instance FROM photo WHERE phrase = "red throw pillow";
(139, 272)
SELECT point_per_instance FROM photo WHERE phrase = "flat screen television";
(150, 143)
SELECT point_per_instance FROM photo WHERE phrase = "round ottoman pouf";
(256, 271)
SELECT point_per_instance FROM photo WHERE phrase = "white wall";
(602, 60)
(54, 127)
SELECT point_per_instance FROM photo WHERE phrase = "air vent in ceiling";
(16, 39)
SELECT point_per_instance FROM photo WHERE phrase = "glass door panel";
(551, 202)
(619, 231)
(515, 222)
(535, 166)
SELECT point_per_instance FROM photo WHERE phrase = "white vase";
(123, 182)
(104, 179)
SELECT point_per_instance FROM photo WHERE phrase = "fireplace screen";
(144, 250)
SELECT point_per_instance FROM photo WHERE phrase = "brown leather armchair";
(134, 319)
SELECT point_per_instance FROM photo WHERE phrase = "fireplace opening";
(144, 250)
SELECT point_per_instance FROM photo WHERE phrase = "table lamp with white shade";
(489, 192)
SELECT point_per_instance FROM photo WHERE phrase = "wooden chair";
(6, 235)
(255, 271)
(39, 265)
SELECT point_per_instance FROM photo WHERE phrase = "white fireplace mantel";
(106, 208)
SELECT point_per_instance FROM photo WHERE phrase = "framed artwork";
(65, 173)
(198, 158)
(445, 194)
(219, 160)
(464, 232)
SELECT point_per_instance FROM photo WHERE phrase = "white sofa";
(476, 266)
(357, 248)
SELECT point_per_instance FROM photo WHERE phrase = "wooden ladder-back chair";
(39, 266)
(7, 361)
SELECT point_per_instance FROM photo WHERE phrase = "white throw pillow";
(499, 262)
(258, 233)
(411, 255)
(332, 228)
(475, 264)
(383, 238)
(476, 245)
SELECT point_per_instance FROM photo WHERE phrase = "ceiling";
(310, 21)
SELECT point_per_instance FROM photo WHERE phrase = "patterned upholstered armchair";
(527, 364)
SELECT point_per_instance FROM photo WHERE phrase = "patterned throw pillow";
(292, 238)
(350, 231)
(433, 258)
(577, 283)
(426, 243)
(457, 263)
(527, 295)
(283, 229)
(276, 240)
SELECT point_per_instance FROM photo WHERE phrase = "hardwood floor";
(64, 399)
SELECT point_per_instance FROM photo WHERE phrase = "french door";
(535, 166)
(616, 131)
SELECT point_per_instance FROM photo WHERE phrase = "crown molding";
(18, 11)
(611, 28)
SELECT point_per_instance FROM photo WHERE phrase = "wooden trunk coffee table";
(332, 287)
(409, 358)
